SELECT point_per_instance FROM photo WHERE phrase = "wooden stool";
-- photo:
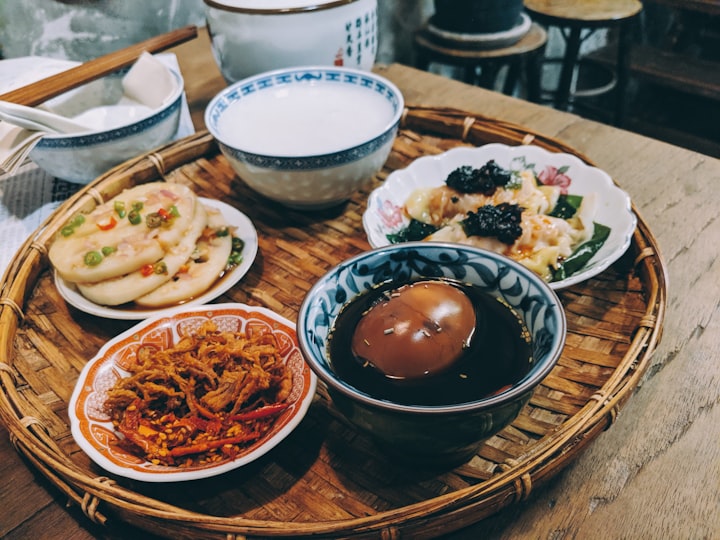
(573, 17)
(525, 52)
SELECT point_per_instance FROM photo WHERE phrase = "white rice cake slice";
(123, 289)
(128, 246)
(205, 267)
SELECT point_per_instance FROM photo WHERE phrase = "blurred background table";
(656, 472)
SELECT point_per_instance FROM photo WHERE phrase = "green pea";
(153, 220)
(77, 220)
(134, 217)
(119, 208)
(93, 258)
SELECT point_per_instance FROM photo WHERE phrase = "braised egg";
(417, 330)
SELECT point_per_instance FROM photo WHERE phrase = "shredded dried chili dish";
(202, 401)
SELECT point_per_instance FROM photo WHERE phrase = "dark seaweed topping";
(485, 180)
(501, 221)
(415, 230)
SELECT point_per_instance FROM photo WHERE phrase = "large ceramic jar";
(252, 36)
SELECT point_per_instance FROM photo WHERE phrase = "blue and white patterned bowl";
(82, 157)
(307, 137)
(443, 435)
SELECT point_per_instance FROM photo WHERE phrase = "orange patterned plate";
(94, 432)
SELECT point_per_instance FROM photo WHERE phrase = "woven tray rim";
(545, 458)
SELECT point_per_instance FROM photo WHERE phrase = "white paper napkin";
(18, 142)
(149, 82)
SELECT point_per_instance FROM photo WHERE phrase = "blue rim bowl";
(443, 435)
(307, 181)
(82, 157)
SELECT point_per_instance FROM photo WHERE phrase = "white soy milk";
(303, 120)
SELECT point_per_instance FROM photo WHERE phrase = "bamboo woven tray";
(325, 480)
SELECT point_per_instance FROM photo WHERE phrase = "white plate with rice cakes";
(214, 248)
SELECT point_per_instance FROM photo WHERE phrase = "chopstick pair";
(36, 93)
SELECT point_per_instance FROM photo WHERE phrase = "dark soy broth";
(499, 354)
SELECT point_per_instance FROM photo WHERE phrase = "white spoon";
(39, 120)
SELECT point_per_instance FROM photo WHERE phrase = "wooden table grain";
(655, 474)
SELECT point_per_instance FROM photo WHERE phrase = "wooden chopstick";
(50, 87)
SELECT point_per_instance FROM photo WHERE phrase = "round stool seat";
(585, 12)
(451, 52)
(525, 51)
(575, 16)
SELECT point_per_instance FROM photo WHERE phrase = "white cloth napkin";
(15, 145)
(148, 82)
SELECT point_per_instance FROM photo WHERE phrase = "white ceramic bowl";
(307, 137)
(134, 130)
(252, 36)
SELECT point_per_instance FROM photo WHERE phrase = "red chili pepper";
(164, 214)
(200, 409)
(209, 445)
(147, 270)
(107, 225)
(262, 412)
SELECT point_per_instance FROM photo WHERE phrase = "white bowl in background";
(307, 137)
(252, 36)
(128, 130)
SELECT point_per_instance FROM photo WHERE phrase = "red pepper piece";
(109, 224)
(210, 445)
(261, 412)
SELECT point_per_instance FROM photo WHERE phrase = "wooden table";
(656, 472)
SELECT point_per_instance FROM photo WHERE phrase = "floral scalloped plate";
(385, 215)
(93, 431)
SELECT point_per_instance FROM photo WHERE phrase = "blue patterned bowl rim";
(101, 137)
(534, 300)
(306, 75)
